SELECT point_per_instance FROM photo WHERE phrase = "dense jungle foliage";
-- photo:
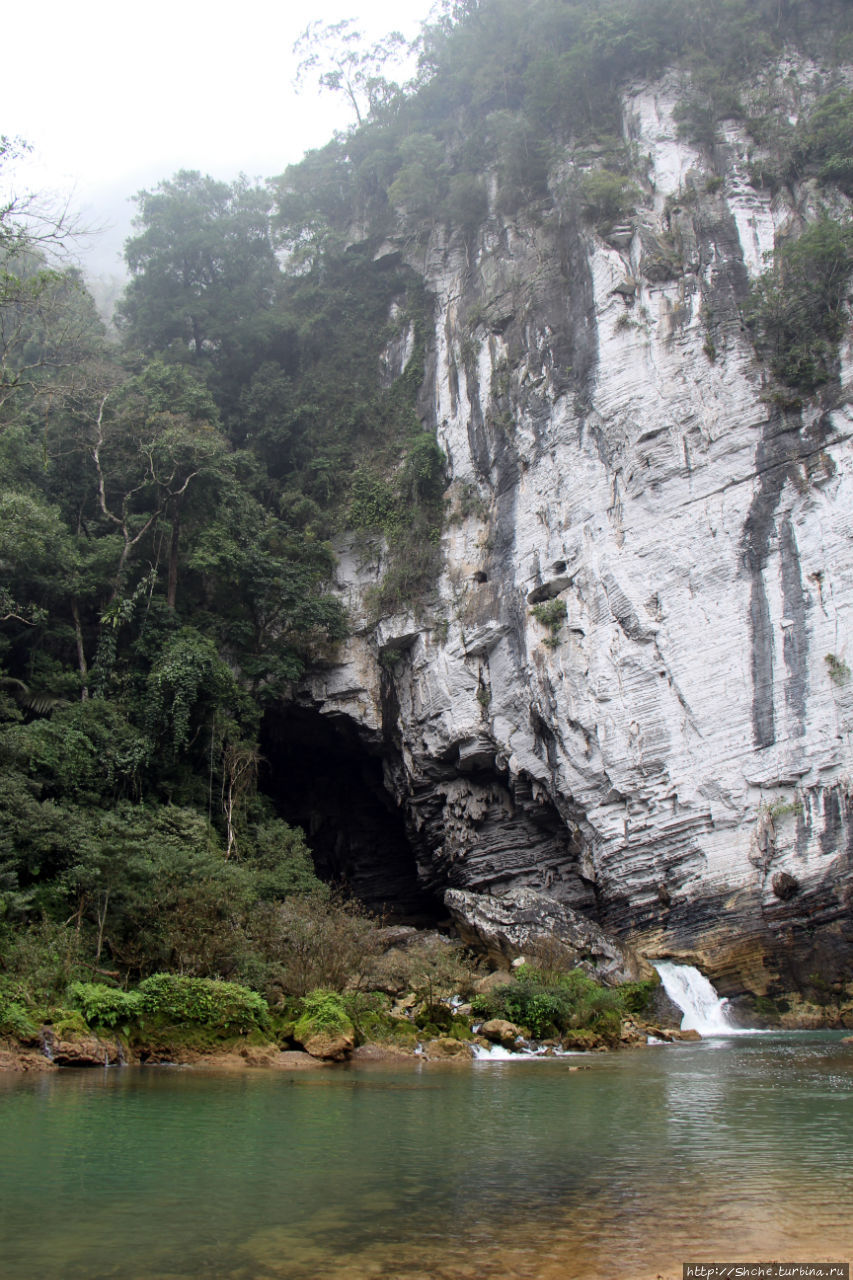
(169, 496)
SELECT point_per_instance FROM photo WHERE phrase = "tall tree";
(203, 271)
(336, 54)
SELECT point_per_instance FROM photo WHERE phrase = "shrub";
(551, 614)
(607, 198)
(321, 1011)
(370, 1014)
(797, 312)
(636, 997)
(839, 671)
(573, 1001)
(104, 1006)
(826, 140)
(15, 1019)
(44, 958)
(225, 1006)
(319, 941)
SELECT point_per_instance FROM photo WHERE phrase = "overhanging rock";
(521, 918)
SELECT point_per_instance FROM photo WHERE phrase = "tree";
(150, 439)
(36, 556)
(798, 309)
(203, 269)
(420, 182)
(336, 53)
(28, 221)
(265, 583)
(48, 321)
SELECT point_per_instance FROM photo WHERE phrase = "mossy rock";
(68, 1022)
(331, 1046)
(445, 1047)
(325, 1030)
(435, 1018)
(582, 1039)
(404, 1033)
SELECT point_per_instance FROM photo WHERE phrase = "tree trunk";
(82, 665)
(102, 920)
(172, 587)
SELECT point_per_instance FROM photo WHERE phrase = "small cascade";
(521, 1051)
(495, 1053)
(704, 1011)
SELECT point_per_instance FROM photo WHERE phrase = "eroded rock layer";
(667, 751)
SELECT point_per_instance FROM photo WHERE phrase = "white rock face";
(660, 758)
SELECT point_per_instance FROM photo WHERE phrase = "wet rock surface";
(81, 1050)
(499, 1031)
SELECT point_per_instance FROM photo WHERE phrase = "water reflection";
(522, 1170)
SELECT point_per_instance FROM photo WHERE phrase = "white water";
(497, 1053)
(521, 1052)
(704, 1011)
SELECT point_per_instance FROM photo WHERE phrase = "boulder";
(499, 1031)
(331, 1046)
(583, 1041)
(386, 1052)
(499, 978)
(519, 918)
(445, 1047)
(295, 1060)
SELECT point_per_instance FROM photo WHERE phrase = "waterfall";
(703, 1009)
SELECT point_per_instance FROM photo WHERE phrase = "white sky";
(114, 96)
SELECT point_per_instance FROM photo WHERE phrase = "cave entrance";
(322, 776)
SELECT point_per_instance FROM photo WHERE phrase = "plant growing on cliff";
(797, 311)
(608, 198)
(551, 614)
(781, 808)
(839, 671)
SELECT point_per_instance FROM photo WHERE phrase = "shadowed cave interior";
(323, 777)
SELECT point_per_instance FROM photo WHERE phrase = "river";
(726, 1149)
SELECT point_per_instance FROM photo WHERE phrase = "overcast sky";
(114, 96)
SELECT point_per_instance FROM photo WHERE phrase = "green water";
(627, 1167)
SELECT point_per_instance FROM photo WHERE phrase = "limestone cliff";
(670, 754)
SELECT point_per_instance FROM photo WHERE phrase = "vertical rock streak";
(611, 451)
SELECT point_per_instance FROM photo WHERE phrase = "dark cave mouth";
(322, 776)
